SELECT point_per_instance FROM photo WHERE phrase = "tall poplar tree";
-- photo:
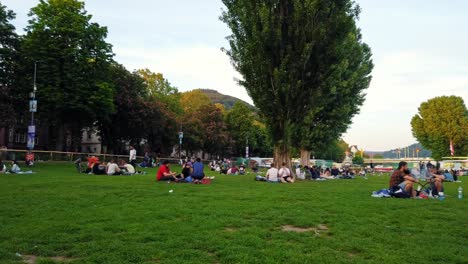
(285, 51)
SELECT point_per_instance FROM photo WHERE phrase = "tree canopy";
(439, 121)
(288, 53)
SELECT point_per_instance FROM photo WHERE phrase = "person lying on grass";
(401, 183)
(165, 174)
(285, 174)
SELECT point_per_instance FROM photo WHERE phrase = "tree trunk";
(282, 155)
(305, 157)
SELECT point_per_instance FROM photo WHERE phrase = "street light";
(181, 136)
(32, 127)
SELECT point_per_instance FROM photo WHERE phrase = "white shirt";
(283, 172)
(133, 154)
(129, 168)
(112, 168)
(15, 168)
(272, 174)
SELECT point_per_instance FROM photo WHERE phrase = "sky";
(419, 50)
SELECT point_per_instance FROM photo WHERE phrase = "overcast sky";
(419, 51)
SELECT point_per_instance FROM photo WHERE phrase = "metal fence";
(41, 155)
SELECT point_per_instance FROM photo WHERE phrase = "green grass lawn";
(100, 219)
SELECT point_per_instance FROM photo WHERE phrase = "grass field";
(59, 216)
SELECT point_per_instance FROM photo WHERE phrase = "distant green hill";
(423, 153)
(226, 100)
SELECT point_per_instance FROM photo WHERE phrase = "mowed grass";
(101, 219)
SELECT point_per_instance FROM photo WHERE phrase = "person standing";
(132, 158)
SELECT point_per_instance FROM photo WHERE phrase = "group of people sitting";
(110, 168)
(224, 168)
(402, 182)
(14, 168)
(318, 173)
(191, 172)
(275, 175)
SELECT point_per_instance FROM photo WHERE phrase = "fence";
(42, 155)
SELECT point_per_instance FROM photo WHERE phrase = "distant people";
(272, 174)
(15, 168)
(198, 171)
(132, 156)
(2, 167)
(165, 174)
(401, 183)
(186, 171)
(113, 168)
(99, 169)
(299, 174)
(128, 168)
(241, 169)
(335, 172)
(233, 170)
(315, 174)
(436, 181)
(285, 174)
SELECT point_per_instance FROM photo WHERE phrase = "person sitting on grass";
(272, 174)
(186, 171)
(198, 174)
(241, 169)
(401, 183)
(113, 168)
(335, 172)
(436, 180)
(285, 174)
(2, 167)
(233, 170)
(99, 169)
(130, 170)
(165, 174)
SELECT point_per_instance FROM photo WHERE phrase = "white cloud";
(401, 82)
(187, 67)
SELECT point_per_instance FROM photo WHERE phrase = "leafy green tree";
(286, 50)
(216, 137)
(73, 61)
(240, 124)
(341, 101)
(9, 43)
(161, 89)
(193, 100)
(334, 151)
(358, 160)
(439, 121)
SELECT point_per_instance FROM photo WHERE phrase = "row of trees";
(81, 87)
(305, 73)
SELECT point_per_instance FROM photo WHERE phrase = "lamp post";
(181, 136)
(32, 127)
